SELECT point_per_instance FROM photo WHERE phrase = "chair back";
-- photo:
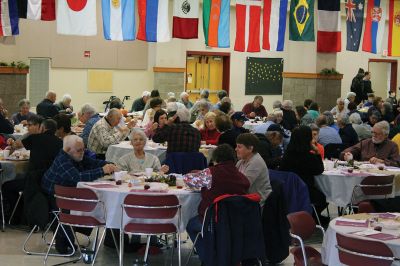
(333, 150)
(151, 206)
(184, 162)
(361, 252)
(294, 189)
(75, 199)
(301, 224)
(377, 185)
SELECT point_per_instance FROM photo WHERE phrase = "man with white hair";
(65, 106)
(46, 108)
(377, 150)
(350, 98)
(185, 100)
(70, 167)
(140, 103)
(105, 133)
(89, 117)
(339, 109)
(181, 137)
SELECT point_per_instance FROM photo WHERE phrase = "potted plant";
(18, 67)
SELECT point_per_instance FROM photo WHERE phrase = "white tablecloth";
(329, 252)
(13, 170)
(114, 197)
(250, 125)
(114, 152)
(338, 185)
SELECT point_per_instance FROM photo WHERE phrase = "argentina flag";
(118, 20)
(354, 23)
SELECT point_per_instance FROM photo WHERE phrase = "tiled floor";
(12, 239)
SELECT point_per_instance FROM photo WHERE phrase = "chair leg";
(51, 243)
(316, 214)
(15, 207)
(2, 211)
(121, 247)
(98, 246)
(191, 250)
(114, 239)
(146, 253)
(179, 249)
(173, 249)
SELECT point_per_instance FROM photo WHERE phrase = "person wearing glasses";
(22, 116)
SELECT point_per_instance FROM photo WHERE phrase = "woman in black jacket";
(302, 157)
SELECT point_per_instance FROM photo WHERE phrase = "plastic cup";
(6, 153)
(179, 182)
(148, 172)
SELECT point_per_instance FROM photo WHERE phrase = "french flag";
(248, 25)
(8, 18)
(374, 26)
(274, 24)
(153, 21)
(118, 20)
(329, 37)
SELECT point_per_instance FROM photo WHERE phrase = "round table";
(329, 252)
(114, 196)
(114, 152)
(337, 184)
(13, 170)
(251, 124)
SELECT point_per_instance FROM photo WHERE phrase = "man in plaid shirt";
(181, 137)
(105, 133)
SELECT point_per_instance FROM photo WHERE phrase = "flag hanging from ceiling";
(274, 24)
(216, 16)
(37, 9)
(185, 23)
(354, 23)
(394, 28)
(153, 21)
(329, 38)
(76, 17)
(301, 20)
(248, 25)
(8, 18)
(118, 20)
(374, 26)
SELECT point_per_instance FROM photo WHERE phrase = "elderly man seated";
(181, 137)
(46, 108)
(378, 149)
(89, 117)
(105, 133)
(70, 167)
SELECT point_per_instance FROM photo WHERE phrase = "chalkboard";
(264, 76)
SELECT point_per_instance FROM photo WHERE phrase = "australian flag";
(354, 23)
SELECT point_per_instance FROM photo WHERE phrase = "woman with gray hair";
(387, 112)
(64, 106)
(139, 160)
(340, 108)
(330, 120)
(347, 133)
(363, 130)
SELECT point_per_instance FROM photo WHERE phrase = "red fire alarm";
(86, 54)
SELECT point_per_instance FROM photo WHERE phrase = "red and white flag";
(76, 17)
(186, 19)
(329, 34)
(248, 14)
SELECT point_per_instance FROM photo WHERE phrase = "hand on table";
(24, 122)
(154, 126)
(375, 160)
(252, 115)
(109, 168)
(164, 169)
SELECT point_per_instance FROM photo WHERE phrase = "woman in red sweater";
(210, 134)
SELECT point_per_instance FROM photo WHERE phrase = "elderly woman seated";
(202, 111)
(209, 133)
(378, 149)
(65, 106)
(340, 108)
(347, 133)
(363, 130)
(138, 160)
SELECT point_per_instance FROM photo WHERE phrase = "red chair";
(373, 186)
(81, 200)
(302, 226)
(361, 252)
(153, 208)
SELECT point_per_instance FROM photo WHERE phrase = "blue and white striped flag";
(118, 20)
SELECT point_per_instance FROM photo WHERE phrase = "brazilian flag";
(301, 20)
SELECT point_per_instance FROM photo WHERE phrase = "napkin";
(367, 232)
(351, 222)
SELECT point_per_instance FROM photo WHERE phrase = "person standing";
(367, 87)
(357, 86)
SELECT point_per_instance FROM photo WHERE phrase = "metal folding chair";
(197, 237)
(1, 201)
(81, 200)
(153, 208)
(372, 186)
(302, 226)
(359, 252)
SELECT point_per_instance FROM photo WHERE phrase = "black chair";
(333, 150)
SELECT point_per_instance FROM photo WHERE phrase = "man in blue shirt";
(89, 117)
(70, 167)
